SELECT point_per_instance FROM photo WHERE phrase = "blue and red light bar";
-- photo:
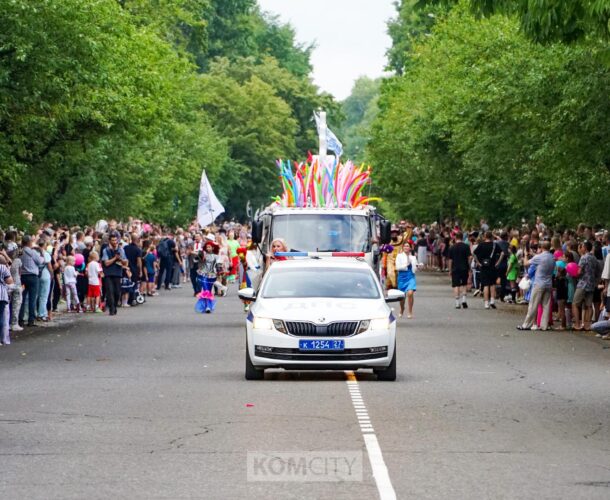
(319, 254)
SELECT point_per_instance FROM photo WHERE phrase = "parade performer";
(207, 274)
(406, 265)
(396, 244)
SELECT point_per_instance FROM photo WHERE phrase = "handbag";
(488, 262)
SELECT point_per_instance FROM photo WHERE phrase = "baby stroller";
(133, 289)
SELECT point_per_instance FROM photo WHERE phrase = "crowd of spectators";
(562, 275)
(101, 268)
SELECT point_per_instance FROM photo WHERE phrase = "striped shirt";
(4, 275)
(31, 261)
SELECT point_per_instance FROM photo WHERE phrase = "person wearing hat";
(207, 274)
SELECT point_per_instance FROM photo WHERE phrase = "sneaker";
(126, 305)
(16, 328)
(465, 305)
(486, 306)
(599, 335)
(493, 306)
(176, 286)
(606, 337)
(457, 305)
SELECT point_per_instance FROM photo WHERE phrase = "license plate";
(321, 345)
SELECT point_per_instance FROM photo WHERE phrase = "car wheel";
(252, 373)
(389, 373)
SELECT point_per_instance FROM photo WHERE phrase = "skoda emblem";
(321, 320)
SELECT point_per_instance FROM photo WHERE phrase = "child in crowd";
(512, 273)
(150, 266)
(70, 276)
(127, 288)
(94, 288)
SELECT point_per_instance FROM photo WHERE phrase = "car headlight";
(380, 323)
(280, 326)
(363, 326)
(262, 323)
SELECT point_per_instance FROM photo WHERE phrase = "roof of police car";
(317, 262)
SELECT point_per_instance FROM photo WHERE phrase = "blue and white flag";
(332, 142)
(208, 207)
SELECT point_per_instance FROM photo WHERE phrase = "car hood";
(321, 310)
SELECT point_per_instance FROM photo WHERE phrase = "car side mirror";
(247, 294)
(385, 235)
(257, 231)
(395, 296)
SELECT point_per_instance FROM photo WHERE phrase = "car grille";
(307, 329)
(287, 354)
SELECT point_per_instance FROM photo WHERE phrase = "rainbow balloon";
(334, 185)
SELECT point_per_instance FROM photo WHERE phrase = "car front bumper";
(371, 349)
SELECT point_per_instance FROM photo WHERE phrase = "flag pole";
(322, 137)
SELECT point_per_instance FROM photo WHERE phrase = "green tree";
(360, 110)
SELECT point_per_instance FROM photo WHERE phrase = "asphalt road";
(152, 403)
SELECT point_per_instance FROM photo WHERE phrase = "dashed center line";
(380, 471)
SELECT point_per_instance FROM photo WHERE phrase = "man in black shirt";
(459, 256)
(487, 255)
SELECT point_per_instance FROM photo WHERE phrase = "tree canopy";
(486, 123)
(112, 108)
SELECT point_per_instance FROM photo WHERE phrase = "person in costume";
(396, 243)
(406, 265)
(207, 275)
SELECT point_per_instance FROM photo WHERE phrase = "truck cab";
(323, 229)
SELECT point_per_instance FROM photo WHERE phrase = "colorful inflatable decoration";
(334, 185)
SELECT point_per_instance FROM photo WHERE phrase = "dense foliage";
(486, 123)
(113, 107)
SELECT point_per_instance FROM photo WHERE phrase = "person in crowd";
(133, 252)
(31, 260)
(6, 285)
(406, 265)
(150, 269)
(94, 288)
(167, 252)
(70, 274)
(45, 283)
(561, 292)
(542, 288)
(113, 261)
(502, 265)
(459, 264)
(583, 296)
(15, 293)
(233, 245)
(487, 255)
(192, 263)
(512, 273)
(422, 249)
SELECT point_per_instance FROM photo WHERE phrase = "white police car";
(321, 314)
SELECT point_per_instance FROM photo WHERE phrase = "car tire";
(252, 373)
(388, 374)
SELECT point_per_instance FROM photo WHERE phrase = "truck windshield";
(323, 232)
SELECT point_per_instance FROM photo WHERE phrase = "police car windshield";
(320, 282)
(323, 232)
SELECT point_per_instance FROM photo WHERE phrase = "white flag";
(209, 207)
(332, 142)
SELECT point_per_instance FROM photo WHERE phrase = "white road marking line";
(380, 471)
